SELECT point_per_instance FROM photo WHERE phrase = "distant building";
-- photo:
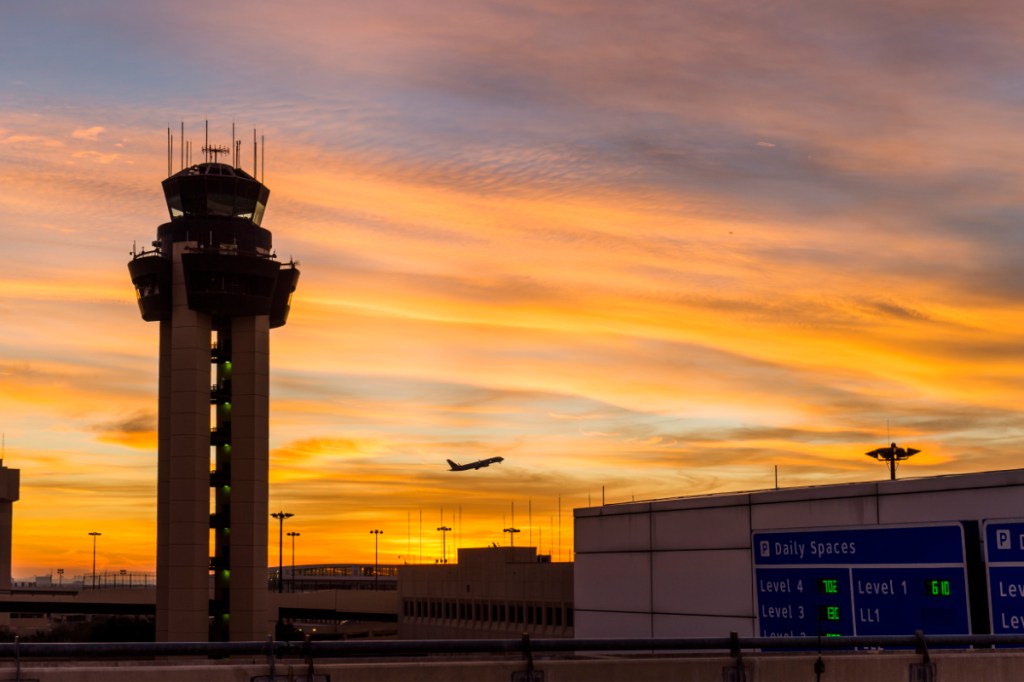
(684, 567)
(10, 487)
(315, 577)
(492, 592)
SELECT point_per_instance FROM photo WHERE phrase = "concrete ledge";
(967, 666)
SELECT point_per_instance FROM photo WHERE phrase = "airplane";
(475, 465)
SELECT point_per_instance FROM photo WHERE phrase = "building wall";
(493, 592)
(683, 567)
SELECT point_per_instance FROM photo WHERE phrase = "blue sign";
(875, 580)
(1004, 555)
(857, 546)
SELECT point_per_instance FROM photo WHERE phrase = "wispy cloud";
(92, 133)
(653, 249)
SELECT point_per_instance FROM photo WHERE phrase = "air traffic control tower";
(214, 284)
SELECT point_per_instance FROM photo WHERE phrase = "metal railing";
(526, 646)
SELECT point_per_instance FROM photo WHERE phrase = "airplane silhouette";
(480, 464)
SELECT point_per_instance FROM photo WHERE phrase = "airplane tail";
(453, 465)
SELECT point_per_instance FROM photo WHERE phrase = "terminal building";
(865, 558)
(492, 592)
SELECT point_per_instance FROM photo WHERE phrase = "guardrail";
(525, 646)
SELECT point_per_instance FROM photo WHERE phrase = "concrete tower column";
(184, 510)
(250, 408)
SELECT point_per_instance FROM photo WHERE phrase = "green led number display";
(828, 613)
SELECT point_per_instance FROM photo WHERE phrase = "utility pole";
(94, 535)
(376, 536)
(444, 547)
(280, 516)
(293, 535)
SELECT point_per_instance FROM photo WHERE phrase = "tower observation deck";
(214, 284)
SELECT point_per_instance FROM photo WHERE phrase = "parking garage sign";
(1004, 556)
(877, 580)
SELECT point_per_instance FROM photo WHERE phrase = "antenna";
(234, 147)
(215, 150)
(206, 142)
(182, 164)
(263, 158)
(3, 447)
(169, 151)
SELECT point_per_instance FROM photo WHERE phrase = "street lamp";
(376, 537)
(280, 516)
(512, 536)
(293, 535)
(444, 547)
(891, 456)
(94, 535)
(60, 577)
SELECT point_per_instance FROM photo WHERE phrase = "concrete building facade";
(684, 567)
(10, 491)
(491, 592)
(214, 285)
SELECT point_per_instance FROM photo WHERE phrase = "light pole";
(60, 577)
(293, 535)
(280, 516)
(94, 535)
(444, 547)
(512, 536)
(376, 537)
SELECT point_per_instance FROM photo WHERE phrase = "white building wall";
(683, 568)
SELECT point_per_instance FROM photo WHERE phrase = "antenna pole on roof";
(182, 163)
(206, 143)
(169, 152)
(254, 152)
(263, 158)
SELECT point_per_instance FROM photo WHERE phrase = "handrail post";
(736, 653)
(308, 646)
(528, 654)
(925, 670)
(922, 647)
(271, 658)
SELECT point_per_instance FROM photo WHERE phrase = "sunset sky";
(655, 247)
